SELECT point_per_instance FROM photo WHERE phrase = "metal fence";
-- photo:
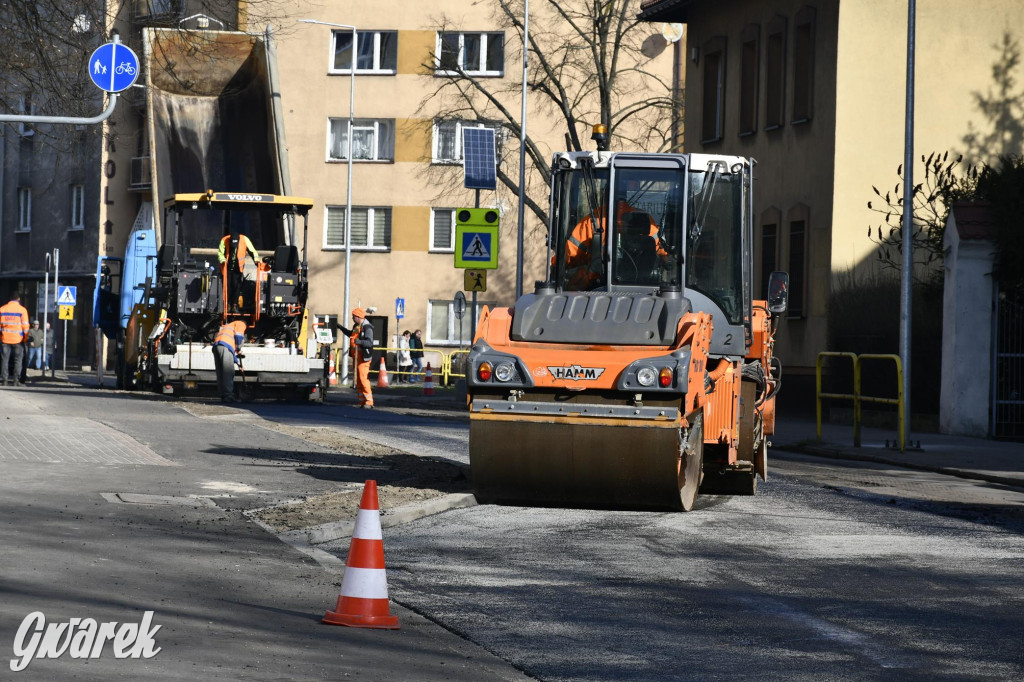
(1007, 413)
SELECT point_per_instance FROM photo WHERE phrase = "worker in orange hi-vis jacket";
(584, 268)
(13, 332)
(361, 350)
(227, 346)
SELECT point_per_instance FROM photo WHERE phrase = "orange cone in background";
(363, 602)
(428, 382)
(382, 375)
(332, 374)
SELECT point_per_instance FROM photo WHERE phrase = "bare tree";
(589, 63)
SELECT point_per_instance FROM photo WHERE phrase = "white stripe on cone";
(367, 525)
(365, 583)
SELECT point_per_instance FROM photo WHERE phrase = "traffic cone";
(428, 382)
(382, 375)
(332, 373)
(363, 602)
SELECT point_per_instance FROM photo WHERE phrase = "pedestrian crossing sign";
(66, 295)
(476, 238)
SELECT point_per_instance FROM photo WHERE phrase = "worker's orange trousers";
(363, 389)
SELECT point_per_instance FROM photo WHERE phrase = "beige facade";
(828, 118)
(413, 268)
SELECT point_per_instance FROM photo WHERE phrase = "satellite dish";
(672, 32)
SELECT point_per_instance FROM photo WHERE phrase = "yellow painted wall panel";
(410, 228)
(414, 49)
(412, 140)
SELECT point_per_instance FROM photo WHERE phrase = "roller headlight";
(504, 371)
(645, 376)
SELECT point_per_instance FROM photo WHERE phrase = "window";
(803, 65)
(476, 54)
(24, 209)
(371, 228)
(27, 106)
(713, 91)
(442, 230)
(77, 207)
(797, 262)
(775, 74)
(769, 254)
(748, 79)
(377, 52)
(447, 146)
(373, 139)
(443, 328)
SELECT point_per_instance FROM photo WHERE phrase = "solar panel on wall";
(478, 147)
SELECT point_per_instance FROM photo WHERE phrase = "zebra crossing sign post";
(476, 238)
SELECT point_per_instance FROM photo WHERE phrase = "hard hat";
(358, 312)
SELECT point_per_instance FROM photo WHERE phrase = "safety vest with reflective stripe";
(13, 322)
(244, 246)
(231, 335)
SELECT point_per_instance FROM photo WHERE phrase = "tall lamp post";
(348, 193)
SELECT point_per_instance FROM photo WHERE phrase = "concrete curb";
(336, 530)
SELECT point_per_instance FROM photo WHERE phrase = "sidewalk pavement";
(974, 458)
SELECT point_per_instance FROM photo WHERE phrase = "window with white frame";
(442, 230)
(24, 209)
(372, 139)
(77, 207)
(371, 228)
(443, 326)
(377, 52)
(476, 54)
(447, 145)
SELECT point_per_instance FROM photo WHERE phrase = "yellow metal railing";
(443, 373)
(858, 398)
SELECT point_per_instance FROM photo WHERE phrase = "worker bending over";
(361, 350)
(227, 346)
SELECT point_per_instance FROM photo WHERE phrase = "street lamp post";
(348, 194)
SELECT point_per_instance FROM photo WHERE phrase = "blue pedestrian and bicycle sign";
(113, 67)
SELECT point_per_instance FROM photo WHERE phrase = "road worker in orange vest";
(361, 350)
(13, 332)
(232, 265)
(227, 347)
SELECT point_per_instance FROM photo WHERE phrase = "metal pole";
(46, 314)
(348, 196)
(56, 275)
(906, 281)
(522, 155)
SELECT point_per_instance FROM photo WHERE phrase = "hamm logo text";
(576, 372)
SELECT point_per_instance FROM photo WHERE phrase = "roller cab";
(622, 380)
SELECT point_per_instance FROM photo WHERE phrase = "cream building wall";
(954, 59)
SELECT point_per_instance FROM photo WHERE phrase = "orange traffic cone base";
(359, 613)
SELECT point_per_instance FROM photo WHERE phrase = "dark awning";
(673, 11)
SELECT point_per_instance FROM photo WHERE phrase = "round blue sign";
(113, 67)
